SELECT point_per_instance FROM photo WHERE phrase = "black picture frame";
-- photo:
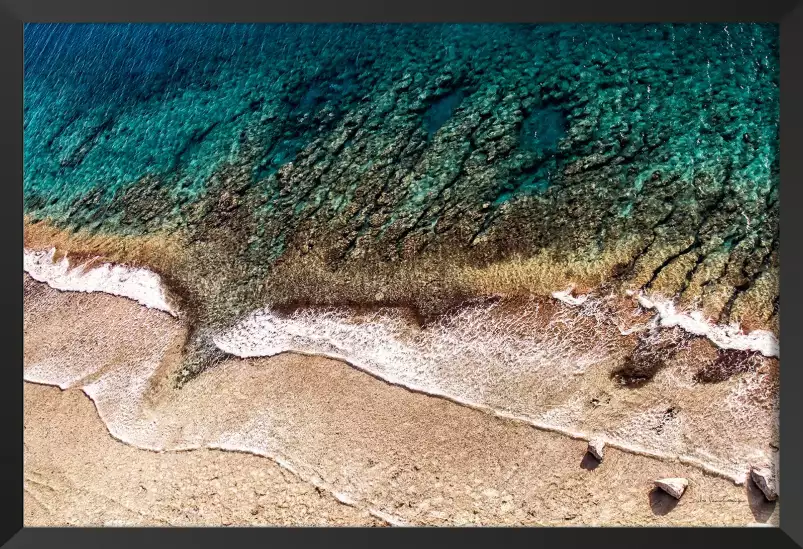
(13, 13)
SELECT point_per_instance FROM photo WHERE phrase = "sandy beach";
(343, 447)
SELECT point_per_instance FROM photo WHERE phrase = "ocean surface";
(647, 153)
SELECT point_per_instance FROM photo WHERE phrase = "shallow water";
(394, 142)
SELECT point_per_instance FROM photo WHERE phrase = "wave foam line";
(146, 287)
(723, 336)
(228, 447)
(262, 335)
(345, 499)
(738, 479)
(566, 297)
(139, 284)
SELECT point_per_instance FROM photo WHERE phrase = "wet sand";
(76, 474)
(412, 458)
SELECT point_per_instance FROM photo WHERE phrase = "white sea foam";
(566, 297)
(723, 336)
(139, 284)
(485, 361)
(55, 372)
(515, 365)
(497, 347)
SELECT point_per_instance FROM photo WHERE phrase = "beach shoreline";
(349, 435)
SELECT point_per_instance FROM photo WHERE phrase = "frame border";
(13, 13)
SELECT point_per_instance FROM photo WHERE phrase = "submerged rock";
(370, 150)
(673, 486)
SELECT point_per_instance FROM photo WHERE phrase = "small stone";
(673, 486)
(596, 447)
(765, 480)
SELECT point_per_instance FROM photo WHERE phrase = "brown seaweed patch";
(156, 251)
(651, 355)
(622, 271)
(433, 283)
(728, 363)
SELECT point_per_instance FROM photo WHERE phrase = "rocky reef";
(414, 165)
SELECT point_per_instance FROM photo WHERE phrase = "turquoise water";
(374, 136)
(441, 111)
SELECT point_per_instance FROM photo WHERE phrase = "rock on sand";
(673, 486)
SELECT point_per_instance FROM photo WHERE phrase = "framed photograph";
(334, 266)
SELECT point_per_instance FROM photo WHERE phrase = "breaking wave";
(541, 365)
(141, 285)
